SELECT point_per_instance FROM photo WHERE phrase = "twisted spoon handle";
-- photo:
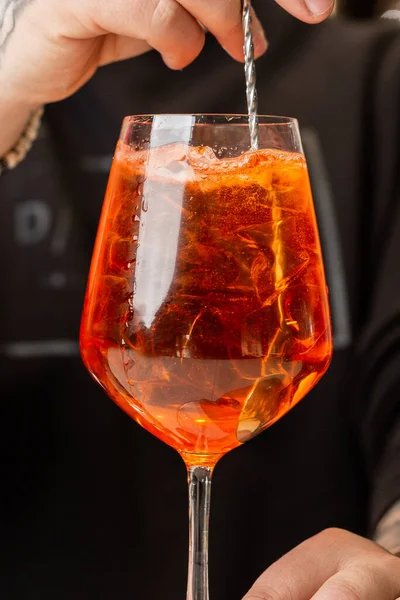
(250, 73)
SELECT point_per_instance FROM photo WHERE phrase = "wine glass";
(206, 315)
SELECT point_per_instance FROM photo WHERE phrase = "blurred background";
(364, 9)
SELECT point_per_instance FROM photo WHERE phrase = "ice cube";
(167, 334)
(259, 236)
(268, 399)
(306, 317)
(206, 268)
(181, 329)
(233, 204)
(122, 255)
(125, 222)
(259, 331)
(170, 162)
(112, 307)
(291, 187)
(285, 252)
(202, 157)
(261, 275)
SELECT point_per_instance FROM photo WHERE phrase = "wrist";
(14, 118)
(18, 152)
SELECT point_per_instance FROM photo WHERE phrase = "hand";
(49, 48)
(333, 565)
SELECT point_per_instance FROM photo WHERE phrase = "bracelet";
(24, 144)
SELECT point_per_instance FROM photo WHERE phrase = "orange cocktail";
(206, 317)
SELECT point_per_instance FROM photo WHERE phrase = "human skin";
(48, 49)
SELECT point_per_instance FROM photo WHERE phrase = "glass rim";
(226, 119)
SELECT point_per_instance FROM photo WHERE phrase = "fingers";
(375, 582)
(223, 18)
(163, 24)
(333, 565)
(175, 34)
(310, 11)
(297, 575)
(173, 26)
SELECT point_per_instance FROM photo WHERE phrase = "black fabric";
(92, 506)
(378, 386)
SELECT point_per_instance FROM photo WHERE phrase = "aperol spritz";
(206, 316)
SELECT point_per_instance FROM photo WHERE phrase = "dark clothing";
(94, 507)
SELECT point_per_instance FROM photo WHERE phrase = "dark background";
(363, 9)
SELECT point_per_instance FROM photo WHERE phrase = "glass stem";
(199, 514)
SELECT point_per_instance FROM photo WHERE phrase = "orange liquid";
(206, 316)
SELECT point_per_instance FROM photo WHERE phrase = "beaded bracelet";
(24, 144)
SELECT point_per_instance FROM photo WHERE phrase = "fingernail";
(319, 7)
